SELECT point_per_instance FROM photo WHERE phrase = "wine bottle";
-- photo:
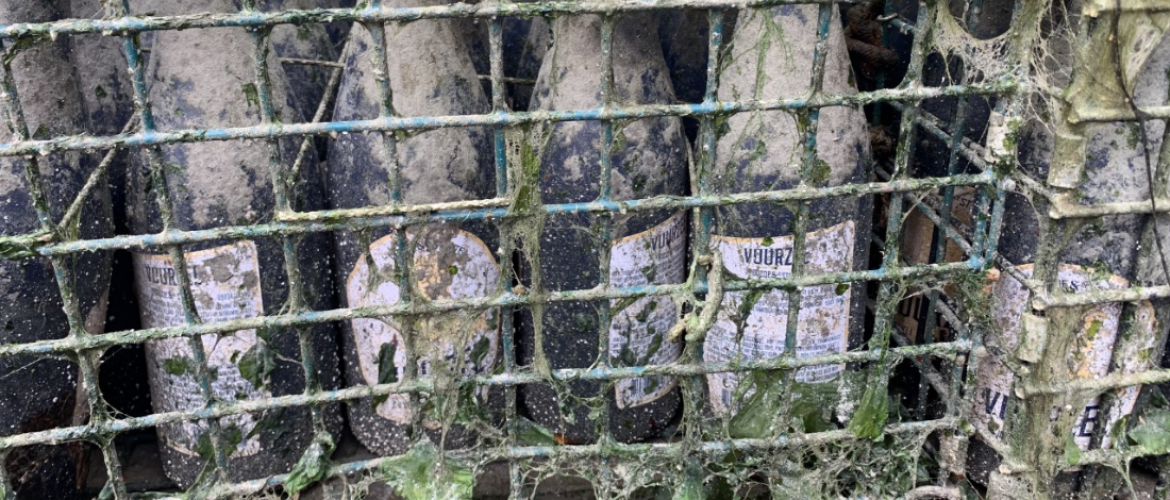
(41, 393)
(770, 56)
(306, 41)
(1093, 254)
(103, 73)
(289, 41)
(105, 86)
(204, 78)
(525, 41)
(431, 74)
(647, 248)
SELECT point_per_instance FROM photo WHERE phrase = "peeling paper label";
(448, 264)
(1090, 358)
(225, 282)
(637, 334)
(823, 325)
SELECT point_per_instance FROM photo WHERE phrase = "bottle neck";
(572, 69)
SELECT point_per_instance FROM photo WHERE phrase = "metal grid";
(998, 172)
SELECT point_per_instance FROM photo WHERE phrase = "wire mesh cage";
(672, 249)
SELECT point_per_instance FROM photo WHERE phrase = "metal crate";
(679, 463)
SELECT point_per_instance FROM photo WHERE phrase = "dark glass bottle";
(649, 159)
(306, 41)
(109, 101)
(41, 393)
(204, 79)
(431, 74)
(761, 151)
(1093, 254)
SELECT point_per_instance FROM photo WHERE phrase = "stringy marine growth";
(816, 432)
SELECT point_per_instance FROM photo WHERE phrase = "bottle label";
(448, 264)
(637, 334)
(1090, 357)
(918, 243)
(751, 325)
(225, 283)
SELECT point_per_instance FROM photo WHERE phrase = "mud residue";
(771, 58)
(192, 90)
(436, 166)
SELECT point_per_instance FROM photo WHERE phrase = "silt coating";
(204, 79)
(40, 394)
(1114, 171)
(430, 73)
(306, 41)
(649, 159)
(770, 56)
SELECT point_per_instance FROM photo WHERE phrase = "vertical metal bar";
(880, 78)
(280, 189)
(703, 220)
(62, 268)
(800, 216)
(6, 482)
(958, 130)
(1034, 414)
(402, 254)
(170, 222)
(507, 247)
(604, 253)
(938, 253)
(113, 464)
(887, 291)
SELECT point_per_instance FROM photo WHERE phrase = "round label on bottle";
(637, 334)
(1091, 353)
(448, 264)
(225, 283)
(752, 325)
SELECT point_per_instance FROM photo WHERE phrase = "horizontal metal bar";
(1043, 301)
(252, 19)
(1114, 456)
(610, 448)
(509, 79)
(312, 62)
(1100, 384)
(67, 345)
(970, 150)
(903, 24)
(406, 215)
(428, 384)
(1096, 8)
(1019, 181)
(388, 210)
(944, 492)
(1061, 208)
(496, 119)
(1120, 114)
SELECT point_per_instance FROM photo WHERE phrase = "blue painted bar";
(389, 124)
(373, 13)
